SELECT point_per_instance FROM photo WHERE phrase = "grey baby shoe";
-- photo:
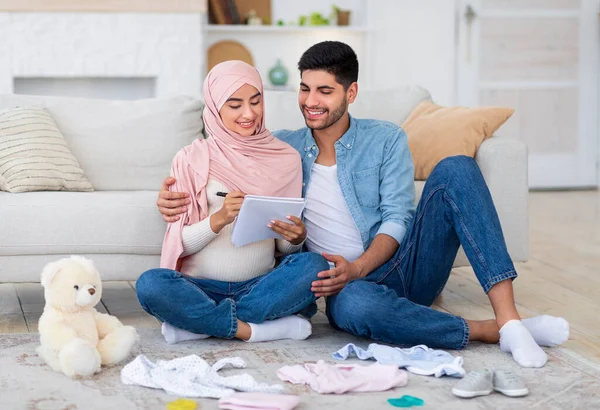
(476, 383)
(509, 384)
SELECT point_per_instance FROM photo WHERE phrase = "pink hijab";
(258, 165)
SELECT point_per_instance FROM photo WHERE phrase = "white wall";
(406, 42)
(164, 46)
(413, 42)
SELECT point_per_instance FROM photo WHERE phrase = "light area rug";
(568, 381)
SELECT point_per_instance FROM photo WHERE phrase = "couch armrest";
(503, 162)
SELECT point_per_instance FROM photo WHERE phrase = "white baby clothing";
(192, 376)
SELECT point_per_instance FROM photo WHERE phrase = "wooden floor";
(562, 278)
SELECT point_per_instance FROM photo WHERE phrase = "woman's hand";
(228, 212)
(294, 233)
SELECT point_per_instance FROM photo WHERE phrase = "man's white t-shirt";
(328, 221)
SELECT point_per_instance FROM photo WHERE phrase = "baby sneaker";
(509, 384)
(476, 383)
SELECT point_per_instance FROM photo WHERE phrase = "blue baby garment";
(419, 359)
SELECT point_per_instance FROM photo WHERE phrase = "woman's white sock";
(289, 327)
(174, 335)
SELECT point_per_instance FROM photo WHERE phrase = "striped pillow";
(34, 155)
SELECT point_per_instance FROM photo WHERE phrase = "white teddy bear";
(75, 338)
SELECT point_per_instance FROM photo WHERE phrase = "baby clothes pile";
(192, 376)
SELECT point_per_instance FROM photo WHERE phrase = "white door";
(540, 57)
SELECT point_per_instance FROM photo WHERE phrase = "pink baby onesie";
(328, 378)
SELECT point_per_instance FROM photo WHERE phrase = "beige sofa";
(125, 149)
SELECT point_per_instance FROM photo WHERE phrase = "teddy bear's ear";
(48, 273)
(88, 264)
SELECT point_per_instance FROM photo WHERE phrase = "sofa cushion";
(27, 268)
(394, 105)
(282, 110)
(34, 155)
(122, 145)
(419, 185)
(77, 223)
(94, 222)
(436, 132)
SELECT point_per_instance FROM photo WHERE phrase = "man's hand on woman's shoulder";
(172, 204)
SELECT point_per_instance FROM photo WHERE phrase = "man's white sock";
(289, 327)
(547, 330)
(174, 335)
(516, 339)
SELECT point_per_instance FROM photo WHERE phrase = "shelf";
(242, 28)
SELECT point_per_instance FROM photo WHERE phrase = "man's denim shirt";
(375, 172)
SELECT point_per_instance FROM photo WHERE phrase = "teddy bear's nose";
(92, 291)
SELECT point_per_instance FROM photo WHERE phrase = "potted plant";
(342, 16)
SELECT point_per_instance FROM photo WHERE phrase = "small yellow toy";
(182, 404)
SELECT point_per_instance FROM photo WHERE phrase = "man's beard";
(332, 117)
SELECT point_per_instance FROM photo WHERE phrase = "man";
(390, 262)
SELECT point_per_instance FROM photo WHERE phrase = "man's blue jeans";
(212, 307)
(392, 303)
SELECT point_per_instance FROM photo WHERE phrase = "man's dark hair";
(335, 57)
